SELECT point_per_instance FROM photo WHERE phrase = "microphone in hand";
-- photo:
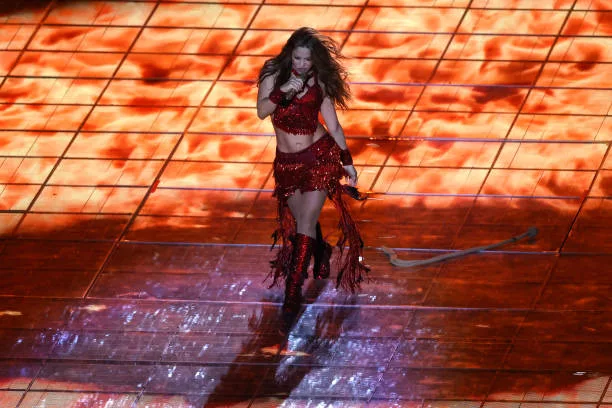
(289, 95)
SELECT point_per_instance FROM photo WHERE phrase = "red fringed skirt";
(317, 167)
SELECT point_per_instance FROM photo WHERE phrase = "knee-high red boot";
(322, 255)
(302, 252)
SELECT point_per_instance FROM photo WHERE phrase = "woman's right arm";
(264, 105)
(268, 97)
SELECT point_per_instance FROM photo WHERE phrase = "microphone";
(291, 94)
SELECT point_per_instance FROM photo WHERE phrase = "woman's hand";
(294, 84)
(352, 174)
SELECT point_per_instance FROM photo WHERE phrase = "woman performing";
(303, 80)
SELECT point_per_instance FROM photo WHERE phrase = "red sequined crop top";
(301, 115)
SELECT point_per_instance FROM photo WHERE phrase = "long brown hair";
(325, 60)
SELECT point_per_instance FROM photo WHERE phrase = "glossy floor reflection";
(195, 326)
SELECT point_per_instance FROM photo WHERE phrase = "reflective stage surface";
(136, 207)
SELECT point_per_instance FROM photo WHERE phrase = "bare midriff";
(291, 143)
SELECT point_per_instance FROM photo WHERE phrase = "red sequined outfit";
(317, 167)
(301, 115)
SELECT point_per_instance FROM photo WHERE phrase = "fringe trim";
(281, 266)
(351, 271)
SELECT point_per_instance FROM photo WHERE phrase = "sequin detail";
(317, 167)
(301, 115)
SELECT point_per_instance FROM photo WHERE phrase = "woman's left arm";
(328, 111)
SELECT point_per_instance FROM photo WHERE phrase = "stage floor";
(136, 206)
(175, 325)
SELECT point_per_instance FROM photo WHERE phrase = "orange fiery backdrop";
(471, 119)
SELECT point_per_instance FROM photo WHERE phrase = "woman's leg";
(322, 255)
(305, 208)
